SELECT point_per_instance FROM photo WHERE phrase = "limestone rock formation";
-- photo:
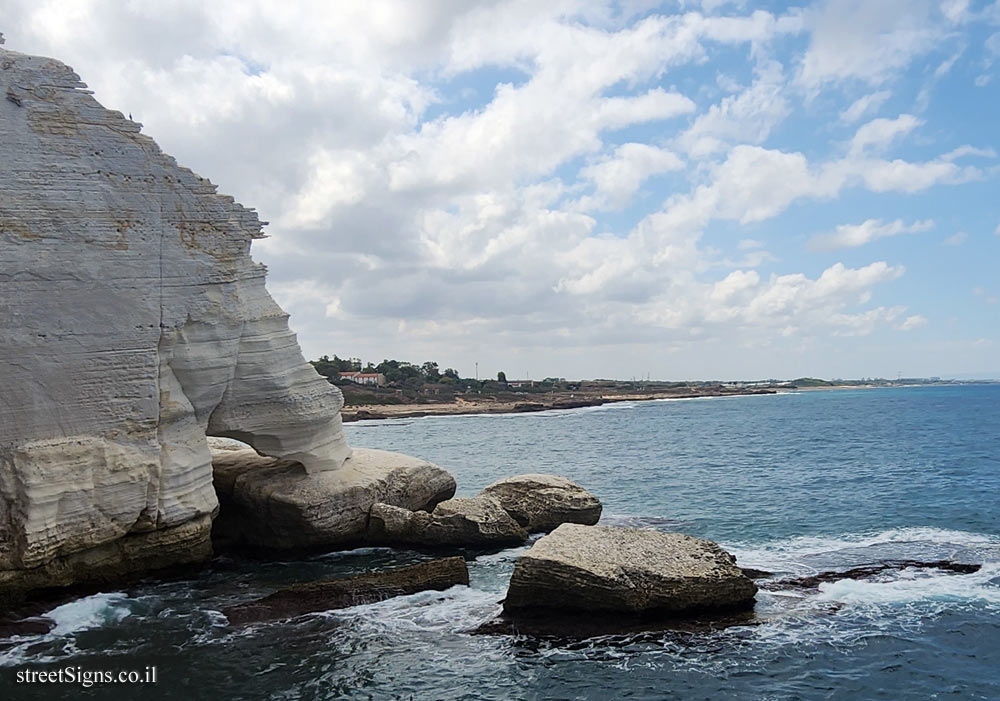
(133, 322)
(543, 502)
(477, 522)
(609, 569)
(360, 589)
(275, 504)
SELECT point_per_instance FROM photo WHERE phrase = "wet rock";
(609, 569)
(275, 504)
(541, 503)
(480, 521)
(32, 625)
(187, 544)
(351, 591)
(869, 571)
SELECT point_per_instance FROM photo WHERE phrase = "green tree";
(330, 368)
(502, 377)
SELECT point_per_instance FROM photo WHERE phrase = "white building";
(364, 378)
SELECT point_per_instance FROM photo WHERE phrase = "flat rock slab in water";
(608, 569)
(11, 625)
(351, 591)
(866, 572)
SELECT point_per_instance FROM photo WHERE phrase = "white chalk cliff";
(133, 322)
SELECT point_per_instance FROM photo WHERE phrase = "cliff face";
(133, 322)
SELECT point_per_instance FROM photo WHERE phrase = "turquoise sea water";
(792, 483)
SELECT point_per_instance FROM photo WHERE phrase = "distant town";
(401, 382)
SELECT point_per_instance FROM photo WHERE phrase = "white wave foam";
(923, 590)
(507, 555)
(354, 552)
(913, 585)
(787, 555)
(88, 612)
(70, 618)
(457, 609)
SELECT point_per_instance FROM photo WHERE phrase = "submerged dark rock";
(867, 571)
(360, 589)
(11, 624)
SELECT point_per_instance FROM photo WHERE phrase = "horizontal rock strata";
(541, 503)
(275, 504)
(478, 522)
(352, 591)
(111, 562)
(608, 569)
(133, 322)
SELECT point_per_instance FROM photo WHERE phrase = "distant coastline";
(463, 406)
(530, 404)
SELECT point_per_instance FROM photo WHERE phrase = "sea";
(793, 483)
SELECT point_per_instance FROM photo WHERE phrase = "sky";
(684, 190)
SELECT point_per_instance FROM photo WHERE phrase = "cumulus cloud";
(747, 117)
(955, 11)
(912, 322)
(865, 41)
(487, 177)
(967, 150)
(863, 105)
(755, 184)
(878, 134)
(617, 177)
(788, 304)
(956, 239)
(854, 235)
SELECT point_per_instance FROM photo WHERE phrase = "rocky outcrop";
(275, 504)
(606, 569)
(116, 560)
(478, 522)
(352, 591)
(133, 322)
(541, 503)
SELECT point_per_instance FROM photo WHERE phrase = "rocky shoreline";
(464, 407)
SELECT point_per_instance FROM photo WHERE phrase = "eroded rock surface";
(275, 504)
(360, 589)
(609, 569)
(132, 322)
(477, 522)
(541, 503)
